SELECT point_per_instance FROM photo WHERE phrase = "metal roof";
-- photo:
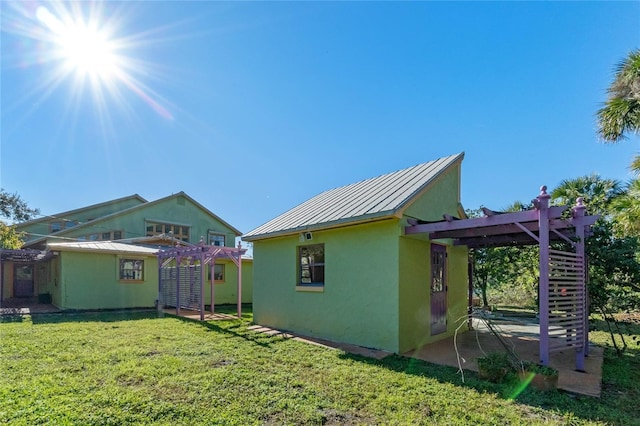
(102, 247)
(370, 199)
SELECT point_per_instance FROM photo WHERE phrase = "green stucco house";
(104, 256)
(339, 266)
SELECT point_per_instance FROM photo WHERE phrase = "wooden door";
(438, 289)
(23, 281)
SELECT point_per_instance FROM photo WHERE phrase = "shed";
(339, 266)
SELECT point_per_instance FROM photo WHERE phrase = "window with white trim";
(216, 239)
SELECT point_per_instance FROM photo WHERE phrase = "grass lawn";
(136, 368)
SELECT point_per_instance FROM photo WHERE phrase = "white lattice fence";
(189, 286)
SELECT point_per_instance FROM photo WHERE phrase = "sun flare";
(84, 48)
(88, 51)
(82, 43)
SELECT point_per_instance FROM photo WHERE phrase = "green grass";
(136, 368)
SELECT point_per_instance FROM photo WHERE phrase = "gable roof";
(60, 234)
(371, 199)
(80, 210)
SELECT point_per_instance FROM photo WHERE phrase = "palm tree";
(627, 207)
(598, 193)
(635, 165)
(621, 112)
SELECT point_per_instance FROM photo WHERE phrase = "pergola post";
(543, 285)
(159, 305)
(213, 283)
(202, 280)
(239, 279)
(178, 262)
(1, 278)
(578, 220)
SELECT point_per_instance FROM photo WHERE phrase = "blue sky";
(253, 107)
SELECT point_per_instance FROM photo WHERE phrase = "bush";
(494, 366)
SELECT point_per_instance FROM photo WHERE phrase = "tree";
(598, 193)
(12, 207)
(509, 273)
(627, 210)
(613, 267)
(621, 112)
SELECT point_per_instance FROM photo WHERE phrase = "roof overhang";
(342, 223)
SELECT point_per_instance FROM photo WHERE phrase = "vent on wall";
(305, 236)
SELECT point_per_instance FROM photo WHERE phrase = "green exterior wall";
(177, 210)
(440, 198)
(377, 280)
(42, 227)
(359, 303)
(90, 281)
(226, 291)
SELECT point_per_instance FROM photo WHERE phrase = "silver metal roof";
(369, 199)
(102, 247)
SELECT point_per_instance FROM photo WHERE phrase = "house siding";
(359, 303)
(170, 211)
(441, 197)
(90, 281)
(42, 227)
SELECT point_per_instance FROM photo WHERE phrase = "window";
(62, 224)
(311, 265)
(218, 272)
(131, 269)
(216, 239)
(102, 236)
(179, 232)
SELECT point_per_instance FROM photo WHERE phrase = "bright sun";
(88, 52)
(77, 41)
(84, 48)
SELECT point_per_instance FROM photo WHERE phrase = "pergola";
(563, 274)
(19, 256)
(183, 285)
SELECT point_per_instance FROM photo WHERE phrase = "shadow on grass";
(233, 327)
(617, 405)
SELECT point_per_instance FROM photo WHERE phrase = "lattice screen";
(189, 284)
(567, 300)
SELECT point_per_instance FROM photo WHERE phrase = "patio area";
(521, 335)
(25, 306)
